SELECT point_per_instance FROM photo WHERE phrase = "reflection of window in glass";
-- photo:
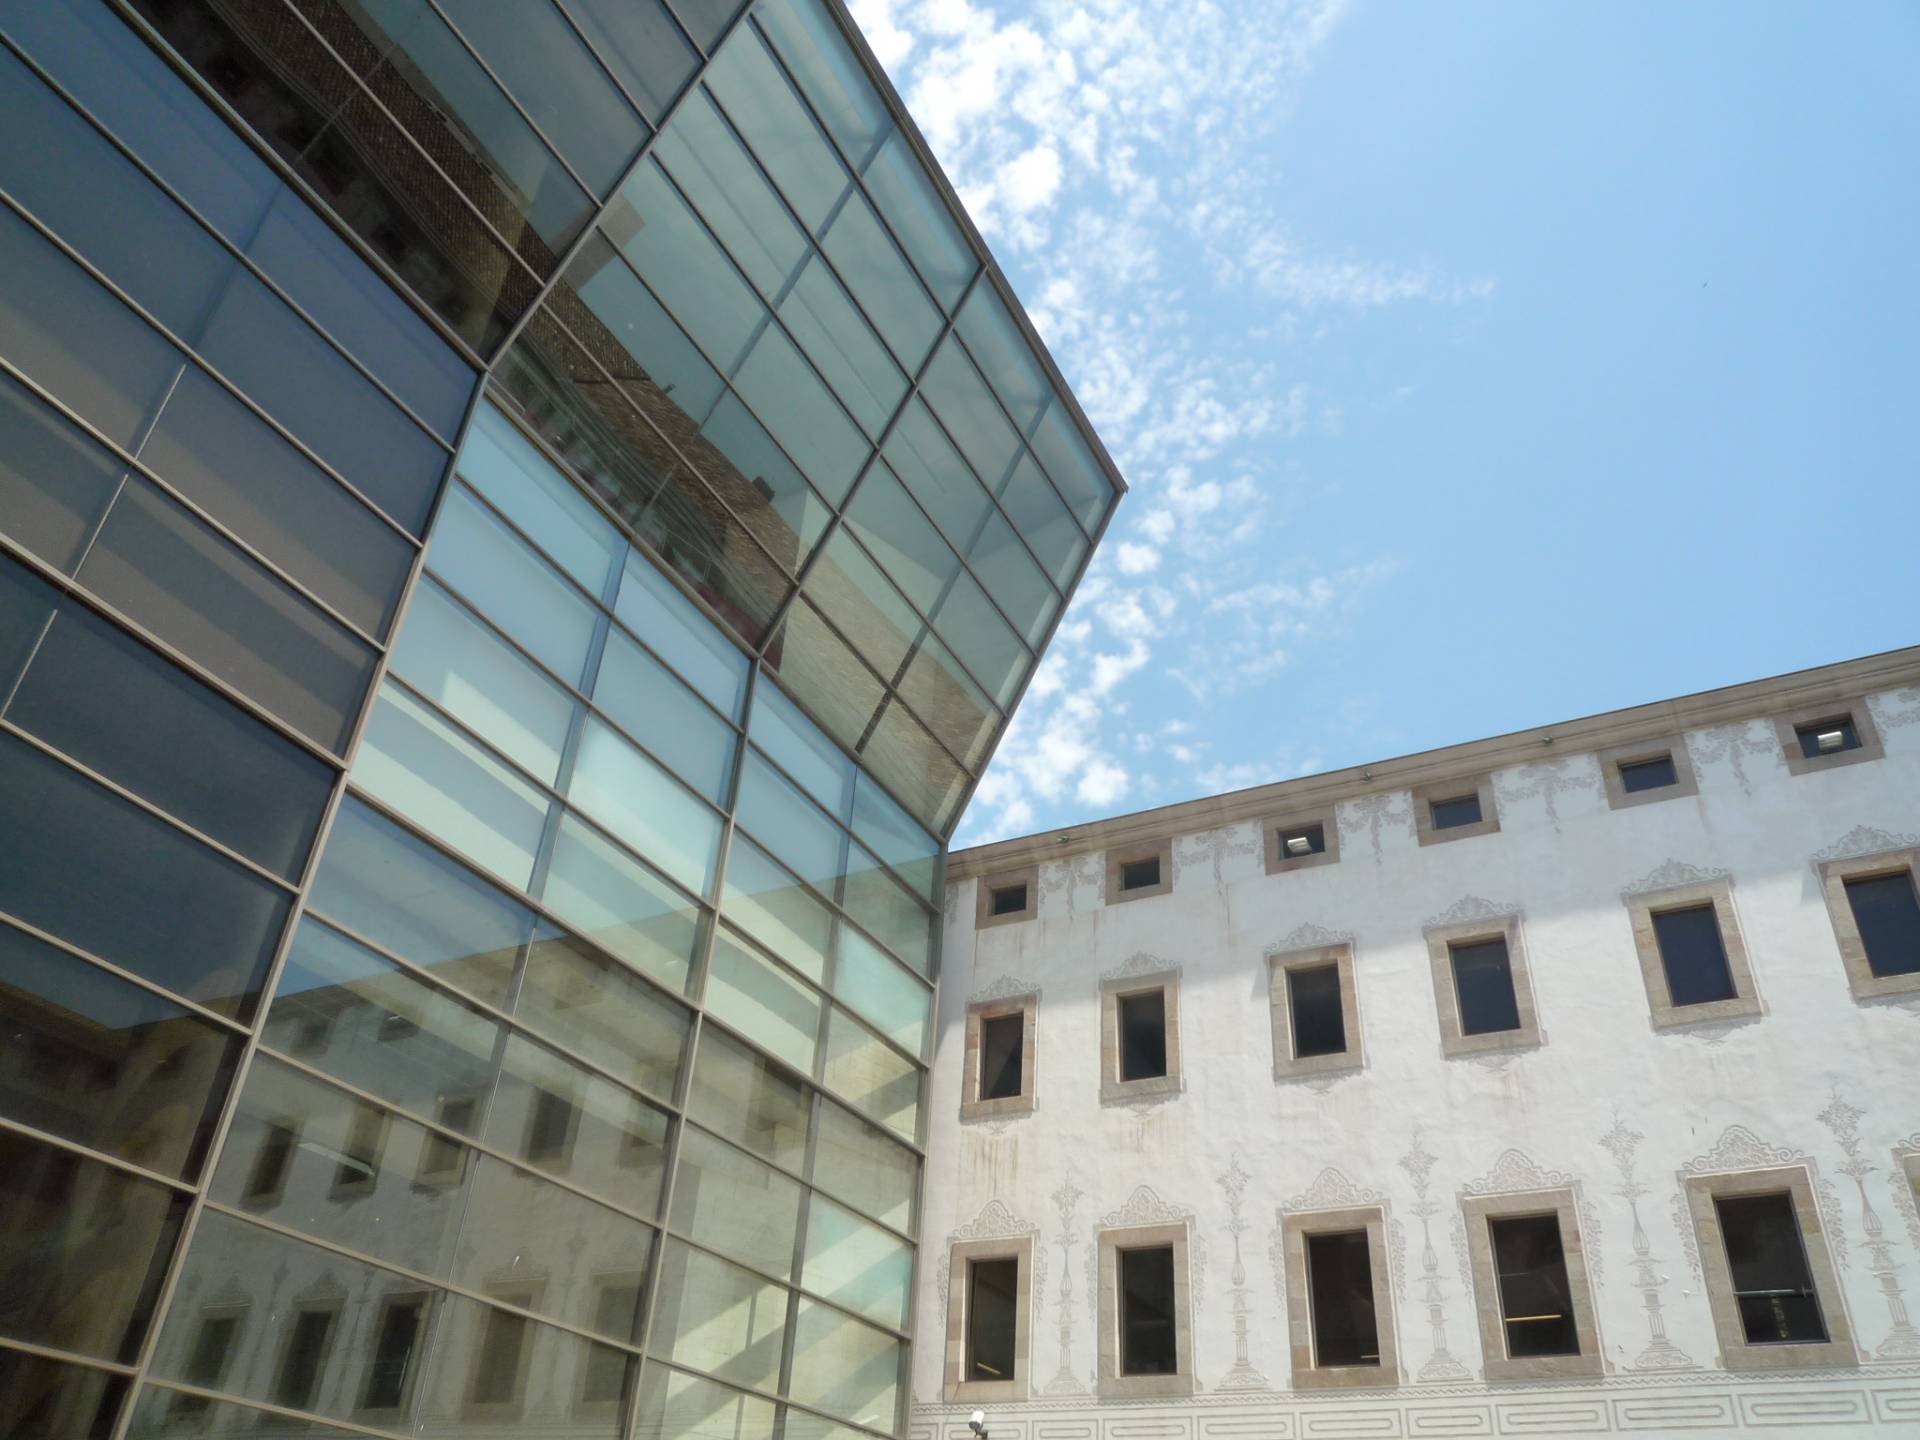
(993, 1288)
(1886, 909)
(1536, 1301)
(1146, 1312)
(310, 1035)
(359, 1165)
(550, 1129)
(395, 1347)
(616, 1312)
(503, 1345)
(443, 1160)
(1693, 955)
(1002, 1055)
(1143, 1035)
(1313, 1001)
(1483, 980)
(1772, 1282)
(270, 1165)
(1340, 1286)
(207, 1362)
(303, 1359)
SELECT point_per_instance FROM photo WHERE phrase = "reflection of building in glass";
(520, 526)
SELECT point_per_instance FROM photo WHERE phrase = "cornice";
(1751, 700)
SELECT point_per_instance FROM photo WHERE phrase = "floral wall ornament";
(1896, 709)
(1903, 1340)
(1233, 1184)
(1215, 847)
(1735, 743)
(1469, 908)
(1374, 812)
(1865, 840)
(1671, 875)
(1622, 1142)
(1573, 775)
(1066, 1201)
(1418, 1162)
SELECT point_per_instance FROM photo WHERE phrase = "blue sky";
(1474, 366)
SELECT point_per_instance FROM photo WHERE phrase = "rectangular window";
(1693, 956)
(1536, 1300)
(1140, 874)
(1460, 810)
(1772, 1282)
(395, 1345)
(1655, 773)
(298, 1381)
(443, 1161)
(1313, 1000)
(616, 1312)
(1886, 911)
(1297, 844)
(1147, 1328)
(1483, 982)
(1143, 1035)
(993, 1288)
(269, 1173)
(359, 1164)
(207, 1363)
(503, 1344)
(1009, 899)
(1002, 1056)
(550, 1129)
(1300, 841)
(1139, 871)
(1827, 737)
(1693, 960)
(1340, 1283)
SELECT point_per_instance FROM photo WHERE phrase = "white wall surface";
(1606, 1104)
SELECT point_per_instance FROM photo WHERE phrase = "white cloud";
(1136, 559)
(1102, 784)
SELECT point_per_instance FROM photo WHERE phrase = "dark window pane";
(993, 1291)
(1139, 874)
(1654, 774)
(641, 46)
(194, 590)
(1340, 1282)
(749, 1100)
(616, 1312)
(503, 1341)
(89, 867)
(75, 339)
(1771, 1281)
(1693, 955)
(1462, 811)
(1886, 911)
(1307, 840)
(1827, 737)
(1147, 1328)
(1002, 1056)
(542, 62)
(1143, 1035)
(26, 604)
(301, 1361)
(1313, 999)
(1483, 981)
(1536, 1301)
(1009, 900)
(116, 706)
(64, 1402)
(86, 1056)
(72, 1230)
(399, 892)
(54, 482)
(706, 19)
(394, 1349)
(267, 1175)
(213, 1349)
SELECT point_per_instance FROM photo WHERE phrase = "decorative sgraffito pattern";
(1145, 1207)
(1007, 987)
(1903, 1341)
(1661, 1353)
(1418, 1162)
(1738, 1148)
(1233, 1184)
(1066, 1201)
(1670, 875)
(1735, 744)
(1895, 709)
(1516, 1171)
(994, 1222)
(1865, 840)
(1308, 936)
(1215, 848)
(1375, 812)
(1573, 775)
(1469, 908)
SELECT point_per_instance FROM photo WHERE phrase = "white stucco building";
(1554, 1022)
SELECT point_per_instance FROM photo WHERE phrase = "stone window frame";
(1641, 909)
(1672, 747)
(1272, 828)
(971, 1106)
(1109, 1382)
(1425, 796)
(1853, 708)
(1454, 1041)
(1563, 1204)
(983, 916)
(1127, 855)
(957, 1388)
(1846, 930)
(1295, 1228)
(1909, 1160)
(1114, 1090)
(1735, 1352)
(1286, 1065)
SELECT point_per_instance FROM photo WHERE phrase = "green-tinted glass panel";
(763, 1002)
(875, 1079)
(882, 991)
(856, 1264)
(619, 905)
(846, 1367)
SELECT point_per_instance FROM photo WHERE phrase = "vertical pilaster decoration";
(1903, 1341)
(1066, 1201)
(1233, 1181)
(1661, 1353)
(1418, 1163)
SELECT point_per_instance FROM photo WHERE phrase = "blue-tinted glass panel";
(656, 611)
(26, 604)
(790, 827)
(972, 416)
(484, 562)
(190, 587)
(645, 806)
(1007, 570)
(887, 912)
(641, 45)
(613, 901)
(442, 781)
(879, 990)
(634, 319)
(882, 281)
(843, 346)
(1004, 357)
(905, 195)
(194, 754)
(400, 892)
(75, 339)
(977, 633)
(98, 872)
(678, 259)
(929, 466)
(802, 415)
(709, 164)
(897, 533)
(55, 483)
(106, 1064)
(232, 464)
(503, 465)
(763, 107)
(1071, 466)
(815, 762)
(1043, 522)
(775, 909)
(777, 503)
(705, 19)
(554, 77)
(644, 697)
(814, 50)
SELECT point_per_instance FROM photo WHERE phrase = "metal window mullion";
(57, 1141)
(226, 1022)
(175, 1265)
(565, 10)
(265, 1408)
(72, 589)
(64, 1357)
(247, 262)
(192, 357)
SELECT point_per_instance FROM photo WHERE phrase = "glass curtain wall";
(471, 859)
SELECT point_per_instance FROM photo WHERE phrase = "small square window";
(1827, 737)
(1139, 871)
(1886, 910)
(1654, 774)
(1461, 810)
(1143, 1035)
(1002, 1053)
(1483, 981)
(1837, 734)
(1693, 956)
(1455, 810)
(1009, 899)
(1298, 843)
(1301, 841)
(1140, 874)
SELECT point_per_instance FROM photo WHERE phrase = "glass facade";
(519, 527)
